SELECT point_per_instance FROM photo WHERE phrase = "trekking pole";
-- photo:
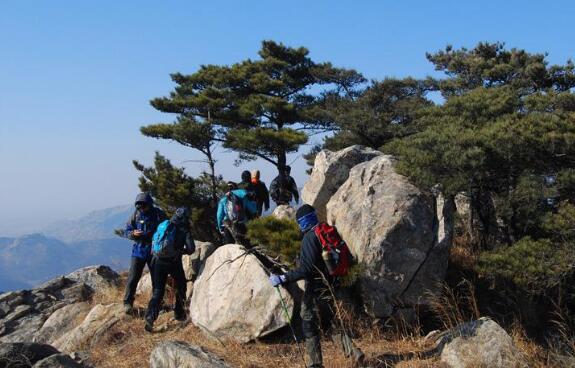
(286, 312)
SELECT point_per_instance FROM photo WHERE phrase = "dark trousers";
(260, 206)
(134, 275)
(235, 234)
(162, 268)
(317, 300)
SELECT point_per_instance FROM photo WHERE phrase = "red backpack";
(335, 252)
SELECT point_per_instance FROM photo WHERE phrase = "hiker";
(317, 272)
(234, 211)
(247, 185)
(261, 192)
(283, 188)
(140, 228)
(171, 241)
(246, 182)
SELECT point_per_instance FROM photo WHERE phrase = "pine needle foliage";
(280, 238)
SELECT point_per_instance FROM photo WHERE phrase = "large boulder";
(100, 319)
(61, 322)
(330, 171)
(178, 354)
(390, 227)
(194, 263)
(481, 343)
(96, 277)
(233, 297)
(23, 355)
(284, 212)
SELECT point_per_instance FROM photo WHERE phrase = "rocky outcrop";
(481, 343)
(90, 331)
(178, 354)
(284, 212)
(390, 227)
(330, 171)
(233, 298)
(23, 355)
(95, 277)
(23, 313)
(61, 322)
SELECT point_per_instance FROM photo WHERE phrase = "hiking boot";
(128, 309)
(180, 317)
(149, 325)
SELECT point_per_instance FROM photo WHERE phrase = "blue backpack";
(164, 240)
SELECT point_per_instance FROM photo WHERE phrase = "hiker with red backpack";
(171, 240)
(324, 256)
(235, 208)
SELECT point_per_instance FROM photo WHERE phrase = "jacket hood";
(144, 197)
(180, 217)
(246, 176)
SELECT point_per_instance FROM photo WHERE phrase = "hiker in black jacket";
(283, 188)
(177, 240)
(140, 228)
(313, 270)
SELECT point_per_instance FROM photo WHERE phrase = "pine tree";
(507, 120)
(261, 108)
(173, 188)
(190, 133)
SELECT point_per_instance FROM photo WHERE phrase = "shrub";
(280, 238)
(535, 265)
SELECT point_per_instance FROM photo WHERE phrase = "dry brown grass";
(127, 345)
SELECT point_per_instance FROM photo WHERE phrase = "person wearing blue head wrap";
(313, 270)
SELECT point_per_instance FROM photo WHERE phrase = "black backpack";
(280, 192)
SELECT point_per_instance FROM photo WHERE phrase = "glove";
(277, 280)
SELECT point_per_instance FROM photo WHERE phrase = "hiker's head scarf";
(306, 217)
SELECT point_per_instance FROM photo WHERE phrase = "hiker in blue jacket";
(234, 210)
(140, 228)
(171, 241)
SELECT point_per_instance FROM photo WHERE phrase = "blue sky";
(76, 77)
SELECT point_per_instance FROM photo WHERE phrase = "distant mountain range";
(96, 225)
(63, 247)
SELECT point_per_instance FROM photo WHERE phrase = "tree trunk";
(282, 161)
(214, 188)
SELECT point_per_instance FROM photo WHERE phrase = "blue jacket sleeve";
(130, 226)
(220, 217)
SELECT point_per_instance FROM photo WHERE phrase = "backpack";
(280, 190)
(335, 251)
(164, 240)
(235, 209)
